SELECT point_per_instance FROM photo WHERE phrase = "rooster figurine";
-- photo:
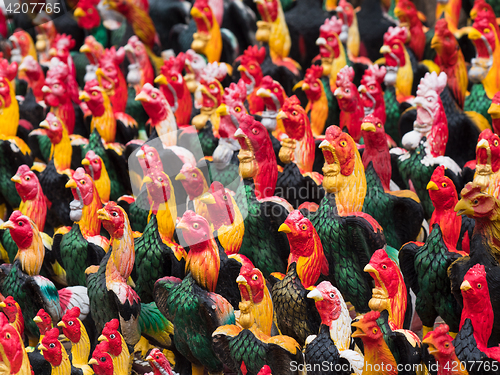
(440, 345)
(251, 73)
(207, 40)
(12, 352)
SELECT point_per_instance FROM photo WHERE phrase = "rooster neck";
(491, 82)
(80, 350)
(203, 262)
(105, 123)
(378, 353)
(481, 318)
(89, 224)
(9, 117)
(340, 328)
(404, 78)
(352, 121)
(31, 258)
(304, 152)
(62, 152)
(263, 313)
(351, 190)
(279, 38)
(166, 128)
(121, 261)
(491, 230)
(35, 208)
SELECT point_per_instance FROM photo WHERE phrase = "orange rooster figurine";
(95, 167)
(440, 345)
(207, 40)
(12, 352)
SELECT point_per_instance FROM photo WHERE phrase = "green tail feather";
(478, 101)
(154, 324)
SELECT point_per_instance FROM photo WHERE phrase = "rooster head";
(109, 64)
(101, 361)
(209, 92)
(484, 34)
(87, 15)
(11, 347)
(93, 94)
(407, 13)
(476, 204)
(494, 110)
(71, 325)
(158, 361)
(328, 301)
(61, 47)
(22, 40)
(159, 186)
(294, 118)
(440, 343)
(27, 184)
(272, 93)
(193, 180)
(136, 51)
(113, 219)
(251, 283)
(171, 80)
(268, 9)
(220, 204)
(328, 41)
(52, 348)
(339, 148)
(312, 85)
(154, 102)
(20, 229)
(346, 92)
(475, 287)
(82, 186)
(483, 9)
(111, 335)
(149, 158)
(203, 16)
(54, 127)
(373, 131)
(300, 233)
(370, 90)
(345, 11)
(7, 75)
(232, 108)
(428, 101)
(444, 42)
(93, 165)
(367, 328)
(195, 228)
(253, 136)
(43, 321)
(31, 68)
(442, 190)
(55, 89)
(10, 308)
(488, 150)
(250, 65)
(394, 46)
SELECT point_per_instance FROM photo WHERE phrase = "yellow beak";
(241, 280)
(85, 161)
(41, 347)
(284, 228)
(432, 186)
(147, 180)
(195, 13)
(385, 49)
(463, 208)
(474, 34)
(435, 41)
(181, 225)
(180, 177)
(37, 319)
(207, 198)
(241, 68)
(44, 124)
(368, 127)
(84, 96)
(222, 110)
(102, 338)
(369, 268)
(79, 13)
(315, 294)
(93, 361)
(494, 110)
(465, 286)
(16, 179)
(2, 305)
(142, 97)
(7, 225)
(71, 184)
(84, 48)
(281, 115)
(161, 80)
(102, 214)
(298, 84)
(61, 324)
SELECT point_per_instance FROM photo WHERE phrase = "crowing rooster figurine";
(440, 345)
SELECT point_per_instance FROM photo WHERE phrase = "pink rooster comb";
(235, 92)
(332, 25)
(345, 76)
(315, 71)
(396, 33)
(377, 72)
(214, 71)
(174, 64)
(253, 52)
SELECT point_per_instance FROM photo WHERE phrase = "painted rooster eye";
(153, 95)
(157, 357)
(479, 286)
(206, 10)
(486, 31)
(160, 179)
(237, 109)
(447, 345)
(495, 143)
(396, 46)
(94, 93)
(70, 323)
(103, 359)
(112, 336)
(347, 91)
(114, 213)
(379, 125)
(295, 113)
(196, 225)
(82, 182)
(55, 124)
(330, 39)
(52, 345)
(194, 175)
(252, 67)
(173, 78)
(275, 89)
(2, 84)
(211, 86)
(7, 336)
(150, 154)
(384, 267)
(371, 87)
(375, 330)
(332, 295)
(303, 226)
(343, 143)
(56, 86)
(255, 131)
(444, 184)
(476, 201)
(27, 178)
(224, 197)
(255, 277)
(20, 223)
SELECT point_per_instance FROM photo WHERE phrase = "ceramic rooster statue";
(440, 345)
(333, 342)
(390, 290)
(34, 75)
(488, 162)
(409, 17)
(12, 352)
(9, 104)
(251, 73)
(159, 363)
(141, 70)
(352, 111)
(371, 93)
(12, 311)
(95, 168)
(431, 119)
(175, 89)
(451, 60)
(111, 77)
(207, 40)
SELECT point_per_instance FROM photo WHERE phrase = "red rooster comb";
(372, 119)
(371, 316)
(254, 53)
(6, 70)
(441, 329)
(60, 71)
(174, 64)
(112, 54)
(22, 170)
(235, 92)
(79, 173)
(396, 33)
(200, 4)
(438, 173)
(52, 333)
(63, 40)
(290, 102)
(441, 26)
(470, 189)
(377, 72)
(91, 84)
(113, 324)
(73, 313)
(332, 25)
(315, 71)
(345, 76)
(214, 71)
